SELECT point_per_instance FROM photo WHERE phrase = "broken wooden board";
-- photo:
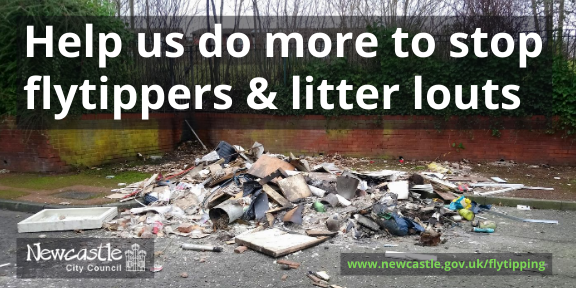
(277, 243)
(147, 185)
(294, 188)
(447, 196)
(316, 233)
(280, 173)
(276, 196)
(216, 199)
(222, 175)
(277, 209)
(266, 165)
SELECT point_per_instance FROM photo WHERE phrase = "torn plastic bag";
(226, 151)
(258, 207)
(399, 226)
(477, 208)
(460, 203)
(250, 187)
(149, 199)
(387, 204)
(413, 225)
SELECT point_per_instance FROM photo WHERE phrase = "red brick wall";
(86, 142)
(365, 136)
(22, 150)
(385, 137)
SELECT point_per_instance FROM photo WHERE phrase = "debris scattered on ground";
(522, 207)
(277, 204)
(290, 264)
(202, 247)
(322, 275)
(240, 249)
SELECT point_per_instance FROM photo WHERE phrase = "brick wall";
(89, 141)
(387, 137)
(97, 139)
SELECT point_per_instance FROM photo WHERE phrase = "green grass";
(95, 178)
(12, 194)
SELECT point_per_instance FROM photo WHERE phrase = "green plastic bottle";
(319, 207)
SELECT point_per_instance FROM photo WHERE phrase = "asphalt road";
(252, 269)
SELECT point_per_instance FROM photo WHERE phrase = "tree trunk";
(535, 14)
(561, 16)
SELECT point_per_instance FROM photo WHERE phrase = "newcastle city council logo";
(84, 258)
(135, 259)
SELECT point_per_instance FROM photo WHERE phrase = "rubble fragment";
(294, 188)
(294, 215)
(290, 264)
(266, 165)
(196, 247)
(347, 185)
(240, 249)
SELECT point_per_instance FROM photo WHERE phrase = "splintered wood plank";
(315, 233)
(276, 243)
(266, 165)
(445, 195)
(276, 196)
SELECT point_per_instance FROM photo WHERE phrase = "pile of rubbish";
(278, 205)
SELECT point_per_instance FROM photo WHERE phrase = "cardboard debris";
(266, 165)
(277, 243)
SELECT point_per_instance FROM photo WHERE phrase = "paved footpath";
(252, 269)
